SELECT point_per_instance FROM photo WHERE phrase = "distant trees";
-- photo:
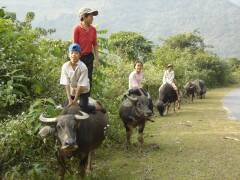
(190, 40)
(234, 63)
(130, 45)
(187, 52)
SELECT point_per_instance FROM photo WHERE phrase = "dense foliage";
(29, 63)
(130, 45)
(191, 61)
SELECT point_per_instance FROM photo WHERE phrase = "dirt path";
(198, 142)
(231, 103)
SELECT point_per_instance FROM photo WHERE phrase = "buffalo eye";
(74, 126)
(59, 127)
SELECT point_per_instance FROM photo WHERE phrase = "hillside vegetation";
(217, 20)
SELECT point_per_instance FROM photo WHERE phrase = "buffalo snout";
(70, 142)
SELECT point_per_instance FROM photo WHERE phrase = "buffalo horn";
(47, 120)
(83, 116)
(132, 98)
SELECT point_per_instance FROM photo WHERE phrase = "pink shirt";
(135, 80)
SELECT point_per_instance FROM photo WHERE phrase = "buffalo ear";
(46, 131)
(165, 104)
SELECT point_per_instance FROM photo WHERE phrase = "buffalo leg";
(89, 163)
(83, 165)
(62, 166)
(150, 105)
(168, 106)
(179, 104)
(140, 136)
(128, 135)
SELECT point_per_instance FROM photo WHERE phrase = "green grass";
(188, 144)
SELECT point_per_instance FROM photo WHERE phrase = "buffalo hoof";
(60, 176)
(88, 171)
(127, 147)
(140, 149)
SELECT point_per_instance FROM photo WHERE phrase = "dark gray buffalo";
(190, 90)
(77, 134)
(201, 88)
(134, 112)
(167, 95)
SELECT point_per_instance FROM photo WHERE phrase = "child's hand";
(70, 102)
(74, 102)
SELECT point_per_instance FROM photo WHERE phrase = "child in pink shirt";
(136, 77)
(135, 80)
(135, 83)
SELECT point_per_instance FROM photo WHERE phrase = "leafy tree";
(192, 41)
(7, 15)
(130, 45)
(234, 63)
(186, 52)
(29, 63)
(102, 40)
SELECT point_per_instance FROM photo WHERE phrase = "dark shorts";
(84, 105)
(137, 91)
(88, 61)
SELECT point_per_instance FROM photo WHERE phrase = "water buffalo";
(200, 88)
(77, 134)
(167, 95)
(134, 112)
(190, 89)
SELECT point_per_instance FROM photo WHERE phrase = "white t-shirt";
(135, 80)
(168, 77)
(74, 78)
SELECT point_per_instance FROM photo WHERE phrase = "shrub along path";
(198, 142)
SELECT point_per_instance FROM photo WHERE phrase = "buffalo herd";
(78, 134)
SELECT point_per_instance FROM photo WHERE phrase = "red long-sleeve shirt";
(86, 38)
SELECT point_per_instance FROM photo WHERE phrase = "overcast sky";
(63, 6)
(235, 2)
(48, 8)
